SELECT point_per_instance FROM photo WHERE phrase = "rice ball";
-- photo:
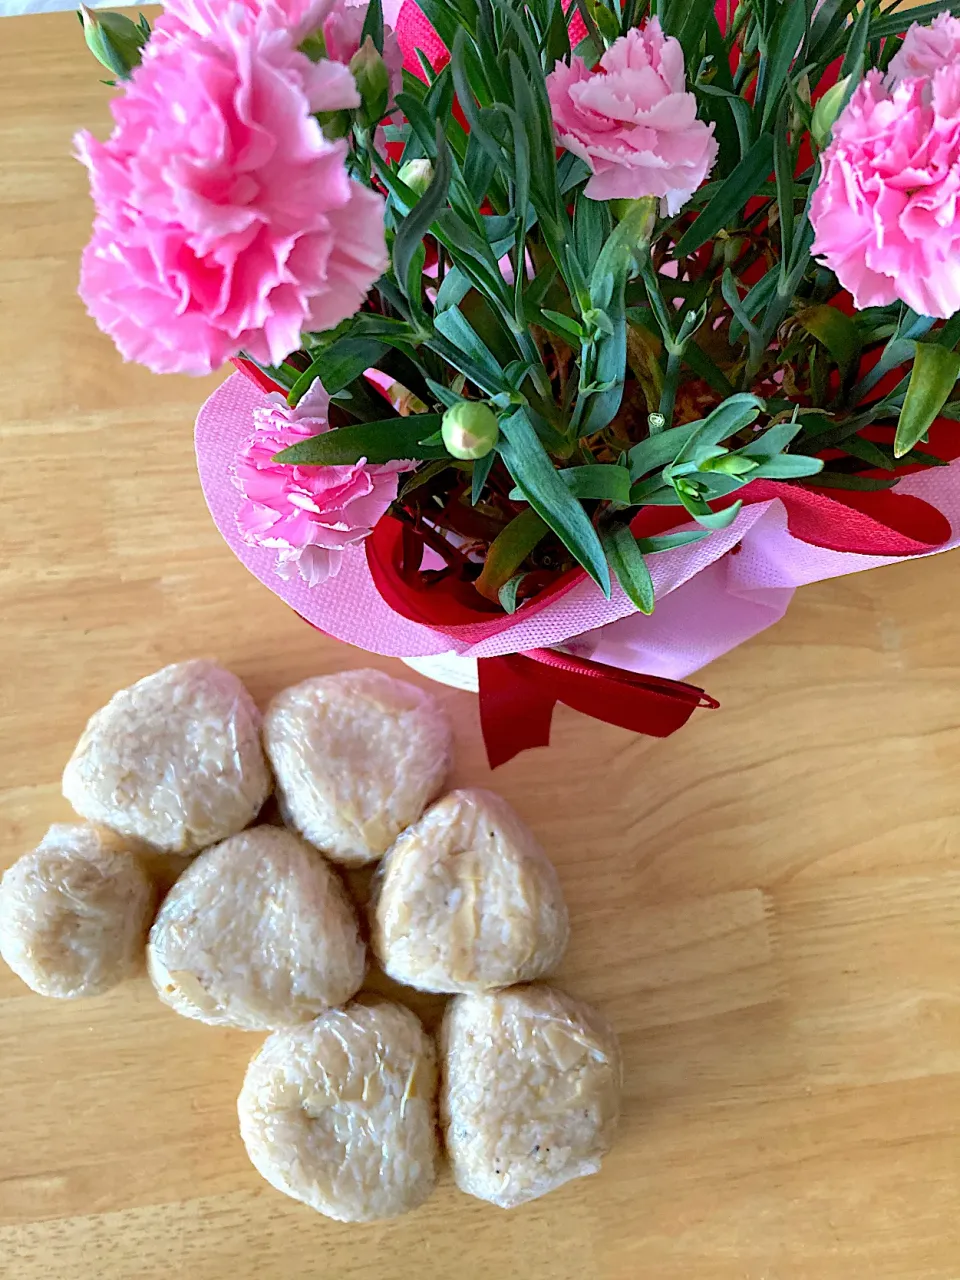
(357, 757)
(530, 1095)
(257, 933)
(174, 760)
(466, 900)
(342, 1114)
(74, 913)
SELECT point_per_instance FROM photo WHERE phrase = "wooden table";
(767, 906)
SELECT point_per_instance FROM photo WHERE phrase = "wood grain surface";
(767, 905)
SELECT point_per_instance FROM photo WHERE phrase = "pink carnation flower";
(309, 515)
(633, 121)
(205, 17)
(927, 49)
(886, 211)
(225, 220)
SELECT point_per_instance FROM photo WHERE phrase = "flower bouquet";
(571, 338)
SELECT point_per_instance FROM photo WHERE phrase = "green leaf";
(478, 169)
(691, 29)
(740, 110)
(444, 394)
(783, 178)
(465, 350)
(704, 368)
(787, 38)
(481, 471)
(473, 254)
(454, 289)
(866, 484)
(894, 23)
(508, 551)
(869, 451)
(667, 541)
(601, 405)
(772, 442)
(507, 595)
(733, 194)
(591, 228)
(383, 441)
(534, 472)
(521, 143)
(837, 332)
(949, 335)
(556, 43)
(388, 329)
(422, 216)
(830, 15)
(444, 20)
(564, 326)
(284, 375)
(601, 388)
(571, 171)
(338, 365)
(373, 25)
(423, 475)
(733, 415)
(359, 400)
(600, 480)
(731, 296)
(787, 466)
(423, 127)
(853, 60)
(933, 377)
(703, 515)
(462, 52)
(656, 451)
(755, 301)
(590, 22)
(627, 562)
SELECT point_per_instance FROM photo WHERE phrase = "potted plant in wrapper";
(571, 338)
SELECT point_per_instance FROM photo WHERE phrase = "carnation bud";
(470, 429)
(417, 175)
(732, 247)
(642, 214)
(373, 82)
(114, 40)
(730, 464)
(826, 111)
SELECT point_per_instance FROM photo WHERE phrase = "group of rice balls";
(339, 1106)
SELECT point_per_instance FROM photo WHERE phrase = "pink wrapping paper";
(711, 596)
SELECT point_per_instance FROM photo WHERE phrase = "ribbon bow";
(518, 692)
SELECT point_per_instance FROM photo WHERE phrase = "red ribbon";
(519, 691)
(256, 375)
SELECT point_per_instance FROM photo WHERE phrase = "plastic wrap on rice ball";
(530, 1095)
(174, 760)
(357, 757)
(74, 913)
(257, 933)
(342, 1114)
(466, 900)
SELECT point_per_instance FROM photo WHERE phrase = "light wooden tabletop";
(767, 906)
